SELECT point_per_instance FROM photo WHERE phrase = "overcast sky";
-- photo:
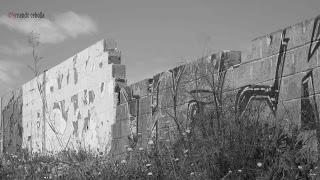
(153, 35)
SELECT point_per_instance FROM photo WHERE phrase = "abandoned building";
(88, 103)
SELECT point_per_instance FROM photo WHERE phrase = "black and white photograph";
(160, 89)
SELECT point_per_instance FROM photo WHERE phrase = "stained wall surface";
(91, 106)
(79, 106)
(280, 69)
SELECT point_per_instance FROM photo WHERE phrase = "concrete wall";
(280, 70)
(91, 106)
(79, 109)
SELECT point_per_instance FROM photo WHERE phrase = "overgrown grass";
(248, 149)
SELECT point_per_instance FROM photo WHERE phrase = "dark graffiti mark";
(75, 128)
(64, 111)
(100, 64)
(87, 61)
(68, 75)
(264, 92)
(309, 110)
(75, 60)
(75, 75)
(74, 100)
(75, 125)
(59, 80)
(91, 96)
(86, 122)
(117, 91)
(85, 97)
(315, 38)
(132, 102)
(75, 72)
(101, 87)
(56, 105)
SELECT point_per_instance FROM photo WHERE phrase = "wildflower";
(176, 159)
(148, 165)
(185, 151)
(239, 170)
(299, 167)
(141, 149)
(123, 161)
(149, 174)
(192, 173)
(259, 164)
(150, 142)
(188, 131)
(129, 149)
(230, 172)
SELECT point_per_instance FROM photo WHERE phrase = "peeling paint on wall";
(91, 96)
(74, 100)
(59, 80)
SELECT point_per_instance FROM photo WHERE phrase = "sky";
(153, 35)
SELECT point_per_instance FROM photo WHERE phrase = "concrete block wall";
(79, 109)
(280, 69)
(91, 106)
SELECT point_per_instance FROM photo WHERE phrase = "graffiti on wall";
(309, 108)
(270, 94)
(195, 105)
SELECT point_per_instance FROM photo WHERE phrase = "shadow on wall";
(11, 121)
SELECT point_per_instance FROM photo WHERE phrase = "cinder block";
(145, 105)
(142, 88)
(300, 33)
(243, 74)
(271, 44)
(144, 123)
(289, 67)
(119, 71)
(263, 70)
(116, 130)
(125, 129)
(301, 59)
(291, 87)
(256, 48)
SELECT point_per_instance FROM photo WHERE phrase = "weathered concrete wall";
(79, 106)
(281, 70)
(91, 106)
(11, 121)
